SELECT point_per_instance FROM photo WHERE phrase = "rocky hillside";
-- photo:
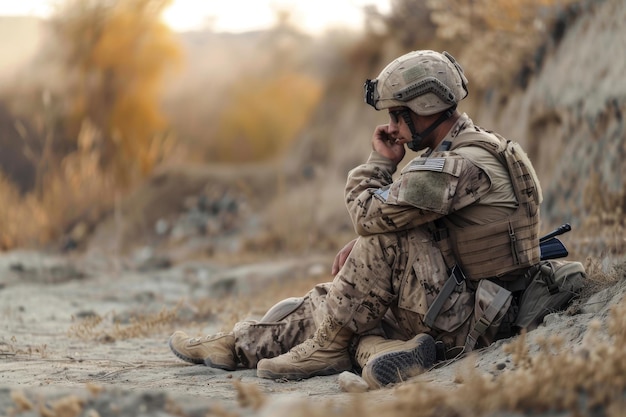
(570, 115)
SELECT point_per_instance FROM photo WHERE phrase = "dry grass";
(14, 348)
(71, 192)
(107, 329)
(224, 310)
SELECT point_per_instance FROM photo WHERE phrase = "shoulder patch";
(382, 193)
(427, 164)
(449, 164)
(429, 183)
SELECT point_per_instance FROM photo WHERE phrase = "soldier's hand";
(386, 145)
(341, 257)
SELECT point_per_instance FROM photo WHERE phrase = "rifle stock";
(551, 247)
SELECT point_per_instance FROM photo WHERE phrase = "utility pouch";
(490, 305)
(552, 285)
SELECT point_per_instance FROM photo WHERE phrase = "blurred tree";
(263, 116)
(116, 53)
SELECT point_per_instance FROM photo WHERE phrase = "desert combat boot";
(325, 353)
(216, 351)
(386, 362)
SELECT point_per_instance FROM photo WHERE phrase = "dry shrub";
(21, 401)
(67, 406)
(75, 189)
(248, 395)
(598, 278)
(603, 227)
(12, 349)
(105, 130)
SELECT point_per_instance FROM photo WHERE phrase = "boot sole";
(395, 367)
(266, 374)
(206, 361)
(210, 364)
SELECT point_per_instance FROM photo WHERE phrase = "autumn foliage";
(105, 129)
(262, 116)
(119, 53)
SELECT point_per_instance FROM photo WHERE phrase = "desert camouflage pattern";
(395, 269)
(360, 300)
(256, 340)
(415, 68)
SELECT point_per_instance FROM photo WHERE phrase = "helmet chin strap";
(417, 137)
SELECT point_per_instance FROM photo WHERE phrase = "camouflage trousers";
(384, 288)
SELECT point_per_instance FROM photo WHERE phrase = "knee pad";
(282, 309)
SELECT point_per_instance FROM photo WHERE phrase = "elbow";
(362, 230)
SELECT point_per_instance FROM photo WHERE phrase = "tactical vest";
(501, 248)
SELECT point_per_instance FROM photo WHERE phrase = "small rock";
(161, 227)
(17, 266)
(597, 302)
(83, 314)
(552, 319)
(349, 382)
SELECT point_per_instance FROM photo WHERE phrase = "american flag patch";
(427, 164)
(382, 193)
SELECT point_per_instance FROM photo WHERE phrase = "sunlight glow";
(244, 15)
(235, 15)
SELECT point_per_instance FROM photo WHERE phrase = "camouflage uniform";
(395, 269)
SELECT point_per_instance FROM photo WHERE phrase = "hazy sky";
(235, 15)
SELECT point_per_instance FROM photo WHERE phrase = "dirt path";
(46, 346)
(67, 328)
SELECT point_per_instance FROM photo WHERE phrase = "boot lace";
(319, 339)
(208, 338)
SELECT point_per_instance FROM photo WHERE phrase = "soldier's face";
(398, 127)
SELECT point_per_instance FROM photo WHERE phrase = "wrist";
(380, 160)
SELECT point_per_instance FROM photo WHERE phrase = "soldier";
(439, 253)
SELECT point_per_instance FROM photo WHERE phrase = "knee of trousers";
(360, 303)
(282, 309)
(363, 289)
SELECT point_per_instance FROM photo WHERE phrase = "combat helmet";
(426, 82)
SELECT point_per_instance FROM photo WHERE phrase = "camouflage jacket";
(449, 183)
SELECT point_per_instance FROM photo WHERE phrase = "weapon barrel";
(564, 228)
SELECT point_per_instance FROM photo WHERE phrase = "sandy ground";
(45, 351)
(45, 354)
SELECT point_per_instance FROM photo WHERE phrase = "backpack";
(552, 284)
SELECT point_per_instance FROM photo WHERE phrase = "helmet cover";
(427, 82)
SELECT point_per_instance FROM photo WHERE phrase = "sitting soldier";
(439, 251)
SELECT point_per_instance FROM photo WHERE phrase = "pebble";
(349, 382)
